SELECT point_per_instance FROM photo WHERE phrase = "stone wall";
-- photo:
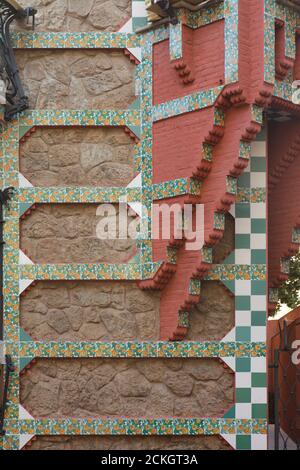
(146, 388)
(76, 79)
(90, 310)
(66, 233)
(128, 443)
(223, 249)
(83, 156)
(214, 316)
(78, 15)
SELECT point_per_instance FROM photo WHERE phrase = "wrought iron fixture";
(167, 9)
(16, 99)
(7, 369)
(5, 360)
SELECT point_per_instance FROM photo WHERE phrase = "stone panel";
(90, 310)
(76, 79)
(66, 233)
(128, 443)
(78, 15)
(78, 157)
(214, 316)
(127, 387)
(223, 249)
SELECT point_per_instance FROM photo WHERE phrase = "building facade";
(146, 344)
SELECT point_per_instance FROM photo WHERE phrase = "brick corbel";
(283, 64)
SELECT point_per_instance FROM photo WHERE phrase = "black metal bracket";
(6, 376)
(16, 99)
(168, 9)
(6, 368)
(6, 195)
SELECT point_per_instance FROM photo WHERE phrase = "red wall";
(203, 52)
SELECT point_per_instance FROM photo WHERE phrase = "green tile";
(244, 180)
(242, 210)
(230, 285)
(258, 318)
(258, 226)
(242, 241)
(258, 288)
(259, 379)
(243, 333)
(259, 411)
(138, 23)
(230, 414)
(261, 136)
(243, 442)
(243, 395)
(242, 302)
(243, 364)
(258, 164)
(258, 257)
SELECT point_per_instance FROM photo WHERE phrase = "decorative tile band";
(127, 117)
(159, 349)
(253, 195)
(137, 426)
(87, 272)
(170, 188)
(88, 40)
(231, 272)
(193, 102)
(77, 194)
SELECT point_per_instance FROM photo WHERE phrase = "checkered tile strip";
(250, 301)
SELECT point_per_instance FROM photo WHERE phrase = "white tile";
(242, 226)
(258, 364)
(242, 287)
(24, 414)
(127, 27)
(243, 411)
(231, 439)
(243, 318)
(232, 210)
(258, 241)
(243, 256)
(23, 259)
(230, 361)
(243, 379)
(139, 9)
(258, 180)
(259, 442)
(23, 284)
(258, 333)
(136, 52)
(258, 149)
(23, 182)
(229, 336)
(24, 439)
(258, 211)
(258, 302)
(259, 395)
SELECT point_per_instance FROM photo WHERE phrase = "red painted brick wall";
(204, 49)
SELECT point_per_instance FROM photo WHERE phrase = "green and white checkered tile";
(250, 301)
(138, 20)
